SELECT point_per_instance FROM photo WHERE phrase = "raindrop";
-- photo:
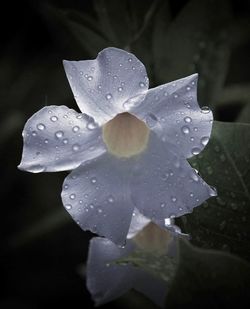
(204, 140)
(68, 206)
(75, 129)
(89, 78)
(41, 126)
(75, 147)
(66, 187)
(34, 133)
(212, 191)
(99, 210)
(174, 199)
(195, 129)
(185, 130)
(176, 96)
(163, 205)
(111, 199)
(194, 176)
(46, 141)
(37, 168)
(99, 87)
(191, 194)
(65, 141)
(192, 139)
(72, 196)
(195, 151)
(108, 96)
(53, 118)
(188, 119)
(93, 180)
(141, 84)
(92, 125)
(205, 110)
(120, 89)
(59, 134)
(188, 88)
(129, 59)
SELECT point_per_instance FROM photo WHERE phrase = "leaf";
(196, 41)
(223, 221)
(209, 279)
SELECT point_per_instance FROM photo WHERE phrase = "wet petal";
(172, 111)
(164, 185)
(57, 138)
(97, 196)
(107, 281)
(102, 86)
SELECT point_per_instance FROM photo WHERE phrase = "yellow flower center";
(153, 238)
(125, 135)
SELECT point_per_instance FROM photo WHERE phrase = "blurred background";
(43, 251)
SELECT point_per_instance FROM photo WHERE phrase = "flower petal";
(57, 138)
(102, 86)
(164, 185)
(172, 111)
(97, 196)
(107, 281)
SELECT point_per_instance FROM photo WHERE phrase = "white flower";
(128, 147)
(107, 280)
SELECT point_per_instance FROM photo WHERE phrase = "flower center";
(125, 135)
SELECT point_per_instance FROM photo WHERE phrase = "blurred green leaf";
(160, 265)
(223, 221)
(209, 279)
(196, 41)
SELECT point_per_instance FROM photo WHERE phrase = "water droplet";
(141, 84)
(37, 168)
(46, 141)
(195, 129)
(111, 199)
(34, 133)
(205, 110)
(129, 59)
(68, 206)
(191, 194)
(194, 176)
(176, 96)
(191, 138)
(151, 120)
(89, 78)
(93, 180)
(108, 96)
(75, 129)
(163, 205)
(59, 134)
(65, 141)
(188, 119)
(53, 118)
(212, 191)
(65, 187)
(72, 196)
(99, 210)
(196, 151)
(75, 147)
(174, 199)
(204, 140)
(185, 130)
(41, 126)
(120, 89)
(188, 88)
(92, 125)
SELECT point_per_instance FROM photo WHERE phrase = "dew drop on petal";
(53, 118)
(68, 206)
(204, 140)
(72, 196)
(75, 129)
(205, 110)
(173, 199)
(75, 147)
(141, 84)
(185, 130)
(91, 125)
(188, 119)
(65, 141)
(111, 199)
(93, 180)
(59, 134)
(34, 133)
(41, 126)
(108, 96)
(89, 78)
(120, 89)
(37, 168)
(196, 151)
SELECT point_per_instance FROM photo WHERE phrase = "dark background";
(42, 250)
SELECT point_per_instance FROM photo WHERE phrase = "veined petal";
(164, 185)
(107, 280)
(97, 196)
(102, 86)
(57, 138)
(172, 111)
